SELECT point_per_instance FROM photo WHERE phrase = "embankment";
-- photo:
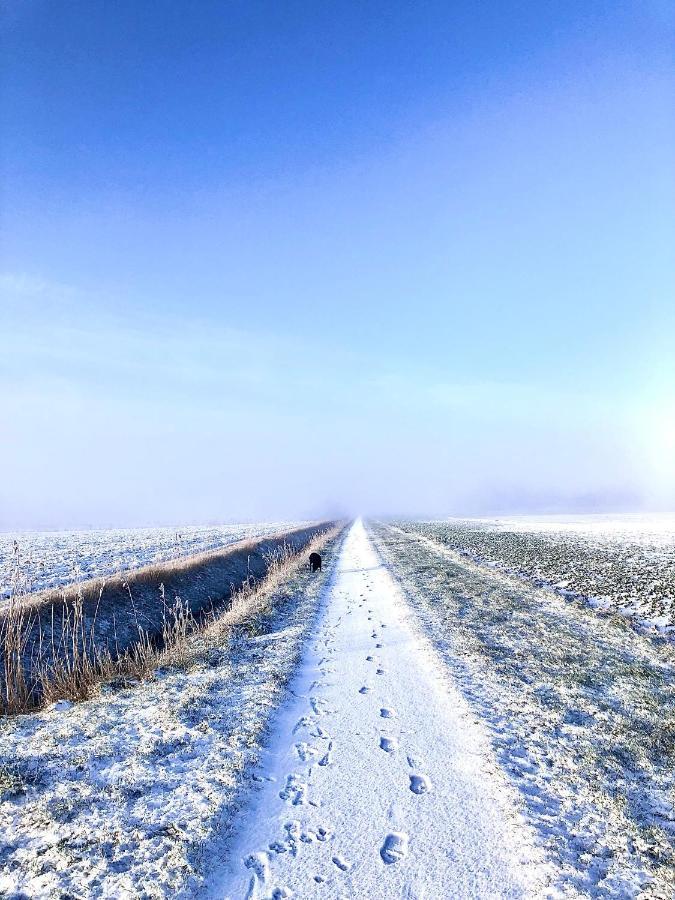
(107, 617)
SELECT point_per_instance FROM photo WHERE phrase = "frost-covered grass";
(581, 711)
(63, 644)
(624, 564)
(34, 561)
(128, 794)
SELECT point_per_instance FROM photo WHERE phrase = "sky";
(285, 260)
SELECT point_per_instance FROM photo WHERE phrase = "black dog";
(314, 562)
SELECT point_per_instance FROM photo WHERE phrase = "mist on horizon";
(387, 260)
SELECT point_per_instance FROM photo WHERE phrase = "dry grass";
(16, 693)
(252, 599)
(152, 574)
(73, 665)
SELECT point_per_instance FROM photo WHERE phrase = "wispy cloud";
(15, 285)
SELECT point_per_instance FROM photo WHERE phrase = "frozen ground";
(378, 783)
(129, 794)
(580, 709)
(472, 735)
(624, 564)
(50, 558)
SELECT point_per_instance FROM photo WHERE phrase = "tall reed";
(69, 663)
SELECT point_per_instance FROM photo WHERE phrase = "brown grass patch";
(69, 662)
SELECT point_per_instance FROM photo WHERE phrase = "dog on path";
(314, 562)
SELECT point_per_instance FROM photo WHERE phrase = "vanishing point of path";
(378, 782)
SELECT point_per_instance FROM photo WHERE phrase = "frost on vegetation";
(33, 561)
(127, 794)
(622, 564)
(581, 712)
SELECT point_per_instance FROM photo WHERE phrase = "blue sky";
(280, 259)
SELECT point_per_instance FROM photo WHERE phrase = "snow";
(408, 723)
(51, 558)
(618, 564)
(579, 709)
(126, 795)
(653, 528)
(378, 782)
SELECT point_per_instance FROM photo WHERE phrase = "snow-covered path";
(378, 782)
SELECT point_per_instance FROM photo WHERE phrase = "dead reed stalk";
(14, 633)
(74, 666)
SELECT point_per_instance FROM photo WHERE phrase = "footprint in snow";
(395, 847)
(378, 646)
(379, 671)
(325, 759)
(319, 706)
(369, 658)
(259, 863)
(290, 844)
(342, 863)
(389, 745)
(364, 690)
(420, 784)
(304, 722)
(320, 733)
(305, 751)
(295, 791)
(387, 713)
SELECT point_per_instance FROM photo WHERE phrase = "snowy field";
(624, 564)
(31, 561)
(580, 710)
(410, 723)
(131, 794)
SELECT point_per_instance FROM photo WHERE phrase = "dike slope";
(110, 613)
